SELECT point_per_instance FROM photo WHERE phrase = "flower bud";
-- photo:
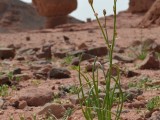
(90, 2)
(104, 12)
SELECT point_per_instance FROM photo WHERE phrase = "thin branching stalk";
(91, 102)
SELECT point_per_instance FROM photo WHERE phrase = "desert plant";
(4, 90)
(153, 103)
(92, 103)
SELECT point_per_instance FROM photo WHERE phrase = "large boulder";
(152, 16)
(56, 11)
(17, 15)
(49, 8)
(138, 6)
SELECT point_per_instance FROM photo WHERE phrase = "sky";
(84, 10)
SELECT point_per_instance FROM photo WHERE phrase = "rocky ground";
(37, 73)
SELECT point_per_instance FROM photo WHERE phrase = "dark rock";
(86, 56)
(137, 104)
(66, 39)
(7, 53)
(60, 54)
(98, 51)
(4, 79)
(28, 38)
(47, 49)
(130, 73)
(150, 62)
(90, 53)
(22, 77)
(36, 96)
(15, 104)
(55, 109)
(17, 71)
(59, 73)
(20, 58)
(42, 73)
(11, 46)
(82, 46)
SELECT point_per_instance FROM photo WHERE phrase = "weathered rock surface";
(55, 109)
(46, 52)
(36, 96)
(59, 73)
(123, 58)
(6, 53)
(4, 79)
(138, 6)
(155, 116)
(18, 15)
(150, 62)
(137, 104)
(152, 16)
(56, 11)
(51, 8)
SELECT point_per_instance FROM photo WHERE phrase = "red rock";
(150, 62)
(56, 11)
(137, 6)
(55, 109)
(36, 96)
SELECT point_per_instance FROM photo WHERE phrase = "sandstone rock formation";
(152, 16)
(56, 11)
(17, 15)
(137, 6)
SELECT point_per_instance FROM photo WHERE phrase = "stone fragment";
(7, 53)
(22, 104)
(150, 62)
(140, 6)
(137, 104)
(131, 73)
(155, 116)
(59, 73)
(36, 96)
(51, 108)
(75, 61)
(46, 52)
(4, 79)
(98, 51)
(17, 71)
(123, 58)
